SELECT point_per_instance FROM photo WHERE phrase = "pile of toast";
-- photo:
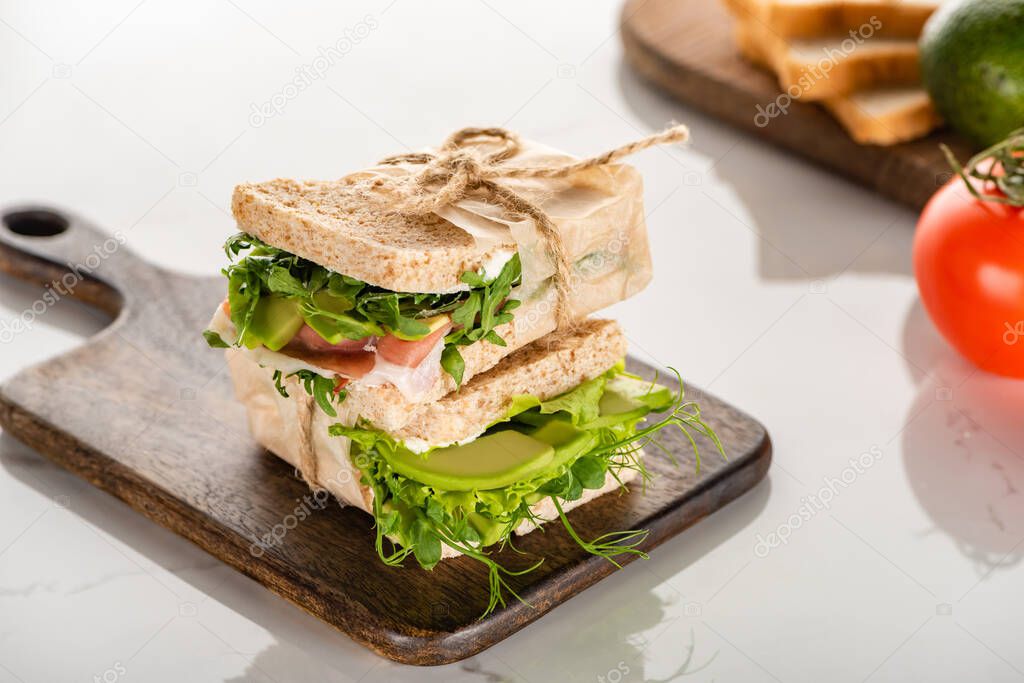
(857, 58)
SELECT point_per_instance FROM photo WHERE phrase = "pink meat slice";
(409, 354)
(351, 364)
(309, 339)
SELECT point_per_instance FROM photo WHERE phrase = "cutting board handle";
(61, 251)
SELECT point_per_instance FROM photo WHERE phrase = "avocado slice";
(433, 325)
(275, 322)
(568, 441)
(627, 399)
(623, 394)
(332, 302)
(619, 403)
(490, 531)
(342, 325)
(557, 432)
(490, 462)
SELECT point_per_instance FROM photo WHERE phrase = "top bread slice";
(350, 226)
(820, 18)
(321, 222)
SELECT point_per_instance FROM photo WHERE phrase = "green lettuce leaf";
(609, 408)
(339, 307)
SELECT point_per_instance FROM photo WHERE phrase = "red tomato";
(969, 265)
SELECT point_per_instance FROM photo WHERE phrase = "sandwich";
(413, 339)
(552, 426)
(330, 286)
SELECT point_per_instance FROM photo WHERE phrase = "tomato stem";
(1005, 170)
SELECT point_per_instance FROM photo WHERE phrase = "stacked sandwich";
(858, 58)
(412, 338)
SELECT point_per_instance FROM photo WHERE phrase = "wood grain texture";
(686, 48)
(145, 412)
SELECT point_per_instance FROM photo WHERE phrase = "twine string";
(461, 167)
(308, 467)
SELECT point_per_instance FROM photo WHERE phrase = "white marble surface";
(783, 289)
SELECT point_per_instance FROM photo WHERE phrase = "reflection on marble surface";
(962, 449)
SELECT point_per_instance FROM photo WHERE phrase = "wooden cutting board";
(686, 48)
(144, 410)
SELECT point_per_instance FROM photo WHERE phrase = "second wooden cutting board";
(686, 48)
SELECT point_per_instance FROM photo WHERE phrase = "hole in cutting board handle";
(36, 223)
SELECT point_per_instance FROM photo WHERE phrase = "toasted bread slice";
(885, 116)
(822, 68)
(548, 367)
(822, 18)
(875, 116)
(349, 226)
(324, 222)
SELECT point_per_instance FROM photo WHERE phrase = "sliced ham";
(411, 366)
(312, 341)
(414, 383)
(409, 354)
(351, 364)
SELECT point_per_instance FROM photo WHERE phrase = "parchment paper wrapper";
(598, 212)
(274, 422)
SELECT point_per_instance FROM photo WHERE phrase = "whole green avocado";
(972, 64)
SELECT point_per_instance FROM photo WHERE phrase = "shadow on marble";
(963, 448)
(801, 238)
